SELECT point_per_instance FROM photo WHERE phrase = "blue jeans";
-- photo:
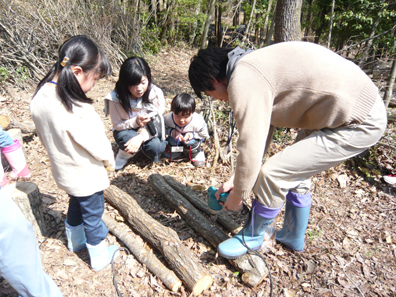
(88, 210)
(20, 259)
(152, 148)
(5, 139)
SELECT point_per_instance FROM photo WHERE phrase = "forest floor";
(350, 241)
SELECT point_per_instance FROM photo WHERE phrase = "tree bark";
(288, 20)
(265, 29)
(331, 23)
(391, 82)
(27, 196)
(136, 246)
(189, 194)
(250, 20)
(164, 239)
(209, 19)
(253, 267)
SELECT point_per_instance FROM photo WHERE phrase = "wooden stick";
(136, 246)
(253, 267)
(164, 239)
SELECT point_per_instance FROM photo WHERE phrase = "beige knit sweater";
(77, 145)
(295, 85)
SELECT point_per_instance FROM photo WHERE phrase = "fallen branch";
(189, 194)
(163, 238)
(136, 246)
(253, 267)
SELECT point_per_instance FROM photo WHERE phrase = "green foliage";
(313, 234)
(4, 75)
(281, 135)
(21, 74)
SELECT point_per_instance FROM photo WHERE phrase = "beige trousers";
(313, 152)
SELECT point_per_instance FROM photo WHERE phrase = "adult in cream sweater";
(293, 85)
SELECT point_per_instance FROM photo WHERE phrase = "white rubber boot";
(101, 255)
(122, 159)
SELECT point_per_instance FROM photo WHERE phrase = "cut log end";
(175, 287)
(201, 285)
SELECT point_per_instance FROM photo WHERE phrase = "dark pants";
(88, 210)
(152, 148)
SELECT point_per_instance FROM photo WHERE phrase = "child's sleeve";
(87, 129)
(168, 124)
(116, 111)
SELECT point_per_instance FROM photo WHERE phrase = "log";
(253, 268)
(136, 246)
(189, 194)
(163, 238)
(26, 126)
(27, 196)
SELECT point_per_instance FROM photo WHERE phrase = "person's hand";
(187, 137)
(133, 144)
(233, 202)
(142, 120)
(226, 187)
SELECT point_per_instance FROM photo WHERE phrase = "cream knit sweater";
(77, 145)
(295, 85)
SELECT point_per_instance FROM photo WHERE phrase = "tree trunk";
(272, 28)
(250, 20)
(235, 17)
(167, 20)
(189, 194)
(265, 27)
(27, 196)
(287, 22)
(209, 19)
(164, 239)
(331, 23)
(137, 248)
(219, 33)
(391, 82)
(253, 267)
(309, 20)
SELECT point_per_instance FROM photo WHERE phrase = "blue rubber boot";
(101, 255)
(76, 239)
(259, 219)
(295, 222)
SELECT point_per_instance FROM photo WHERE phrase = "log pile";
(183, 266)
(252, 267)
(164, 239)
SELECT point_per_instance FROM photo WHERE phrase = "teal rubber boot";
(101, 255)
(76, 239)
(295, 222)
(254, 232)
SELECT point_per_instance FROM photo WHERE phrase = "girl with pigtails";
(78, 149)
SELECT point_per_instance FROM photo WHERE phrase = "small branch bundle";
(163, 238)
(253, 267)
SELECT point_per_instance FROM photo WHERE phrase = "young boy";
(186, 130)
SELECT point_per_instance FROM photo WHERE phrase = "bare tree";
(209, 19)
(331, 23)
(288, 20)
